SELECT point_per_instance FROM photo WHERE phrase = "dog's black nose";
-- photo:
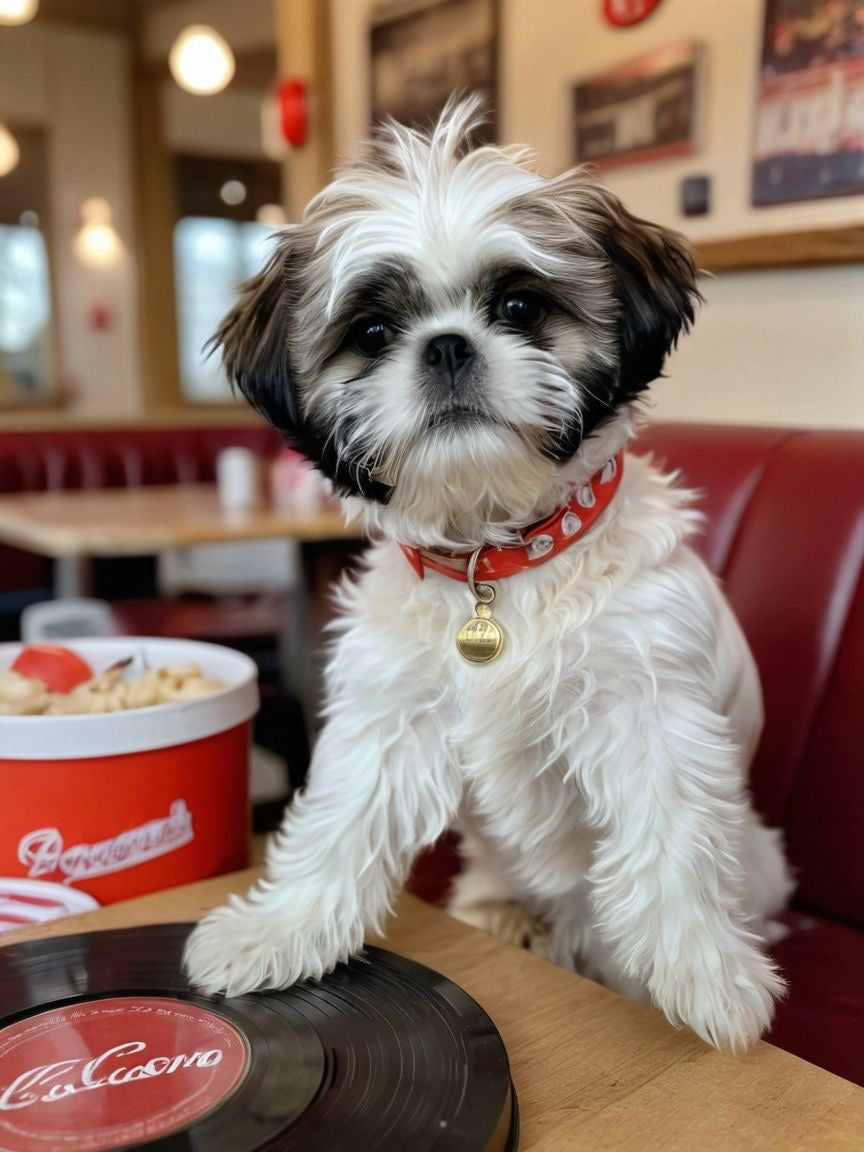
(449, 355)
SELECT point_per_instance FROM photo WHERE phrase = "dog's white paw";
(234, 952)
(728, 1000)
(241, 948)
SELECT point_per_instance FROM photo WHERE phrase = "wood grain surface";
(592, 1071)
(146, 520)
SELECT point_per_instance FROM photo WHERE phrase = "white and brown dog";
(460, 345)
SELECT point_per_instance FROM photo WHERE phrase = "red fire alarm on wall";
(293, 112)
(100, 317)
(624, 13)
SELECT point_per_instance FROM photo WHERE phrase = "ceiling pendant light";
(201, 61)
(9, 150)
(17, 11)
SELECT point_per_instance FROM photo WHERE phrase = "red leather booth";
(785, 534)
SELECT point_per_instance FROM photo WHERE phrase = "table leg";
(300, 638)
(301, 656)
(71, 577)
(293, 658)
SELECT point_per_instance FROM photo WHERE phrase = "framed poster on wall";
(641, 111)
(810, 118)
(424, 50)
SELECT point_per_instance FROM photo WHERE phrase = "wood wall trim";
(68, 420)
(303, 39)
(156, 215)
(844, 245)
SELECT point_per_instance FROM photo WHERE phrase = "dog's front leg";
(667, 884)
(380, 789)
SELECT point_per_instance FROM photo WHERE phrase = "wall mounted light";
(17, 11)
(9, 151)
(97, 244)
(201, 61)
(273, 215)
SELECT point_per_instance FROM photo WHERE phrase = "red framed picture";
(810, 117)
(641, 111)
(424, 50)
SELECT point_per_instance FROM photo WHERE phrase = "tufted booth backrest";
(785, 533)
(110, 458)
(120, 457)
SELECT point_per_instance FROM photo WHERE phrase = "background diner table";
(591, 1070)
(72, 525)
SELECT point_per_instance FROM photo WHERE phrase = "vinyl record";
(103, 1045)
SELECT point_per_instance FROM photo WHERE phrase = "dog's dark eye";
(370, 336)
(522, 309)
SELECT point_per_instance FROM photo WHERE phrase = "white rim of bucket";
(100, 734)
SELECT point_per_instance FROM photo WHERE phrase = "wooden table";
(74, 524)
(592, 1071)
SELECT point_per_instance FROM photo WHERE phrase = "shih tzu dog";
(532, 649)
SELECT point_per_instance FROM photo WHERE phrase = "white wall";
(769, 347)
(542, 58)
(773, 347)
(247, 26)
(76, 85)
(228, 123)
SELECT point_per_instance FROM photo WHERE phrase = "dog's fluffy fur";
(598, 768)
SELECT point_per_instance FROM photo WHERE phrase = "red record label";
(109, 1073)
(624, 13)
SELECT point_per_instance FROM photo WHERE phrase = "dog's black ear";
(254, 342)
(656, 289)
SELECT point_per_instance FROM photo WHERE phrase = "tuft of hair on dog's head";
(450, 334)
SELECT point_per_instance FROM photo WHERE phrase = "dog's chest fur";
(586, 634)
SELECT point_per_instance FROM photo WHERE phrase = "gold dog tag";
(480, 639)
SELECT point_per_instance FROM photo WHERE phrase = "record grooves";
(103, 1045)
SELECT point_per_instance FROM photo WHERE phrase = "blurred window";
(26, 374)
(25, 314)
(217, 245)
(211, 258)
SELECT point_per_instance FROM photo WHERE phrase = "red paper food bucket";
(102, 807)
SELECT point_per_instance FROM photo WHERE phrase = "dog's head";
(449, 336)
